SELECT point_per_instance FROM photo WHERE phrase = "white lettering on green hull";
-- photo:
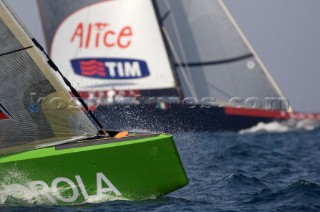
(41, 191)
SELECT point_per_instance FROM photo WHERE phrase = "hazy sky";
(284, 33)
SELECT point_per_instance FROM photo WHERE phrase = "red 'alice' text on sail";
(100, 34)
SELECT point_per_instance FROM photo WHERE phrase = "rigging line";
(14, 51)
(181, 69)
(186, 73)
(73, 90)
(169, 52)
(217, 62)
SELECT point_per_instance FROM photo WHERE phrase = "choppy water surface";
(248, 171)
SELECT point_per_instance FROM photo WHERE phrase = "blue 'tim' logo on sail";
(110, 68)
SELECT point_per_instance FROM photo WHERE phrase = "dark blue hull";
(177, 118)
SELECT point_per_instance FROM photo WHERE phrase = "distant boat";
(173, 65)
(52, 153)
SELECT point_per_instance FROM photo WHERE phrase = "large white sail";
(212, 56)
(105, 45)
(35, 109)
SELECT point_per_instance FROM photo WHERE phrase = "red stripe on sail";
(92, 67)
(3, 116)
(88, 62)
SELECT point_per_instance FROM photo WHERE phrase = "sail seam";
(14, 51)
(217, 62)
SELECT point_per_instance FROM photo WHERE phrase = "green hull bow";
(98, 170)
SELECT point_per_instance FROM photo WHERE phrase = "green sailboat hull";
(134, 168)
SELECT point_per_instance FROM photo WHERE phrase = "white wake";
(282, 127)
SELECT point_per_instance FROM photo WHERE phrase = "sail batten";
(41, 108)
(14, 51)
(215, 62)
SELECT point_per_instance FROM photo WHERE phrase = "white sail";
(212, 56)
(35, 108)
(109, 45)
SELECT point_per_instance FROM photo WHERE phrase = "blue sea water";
(235, 172)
